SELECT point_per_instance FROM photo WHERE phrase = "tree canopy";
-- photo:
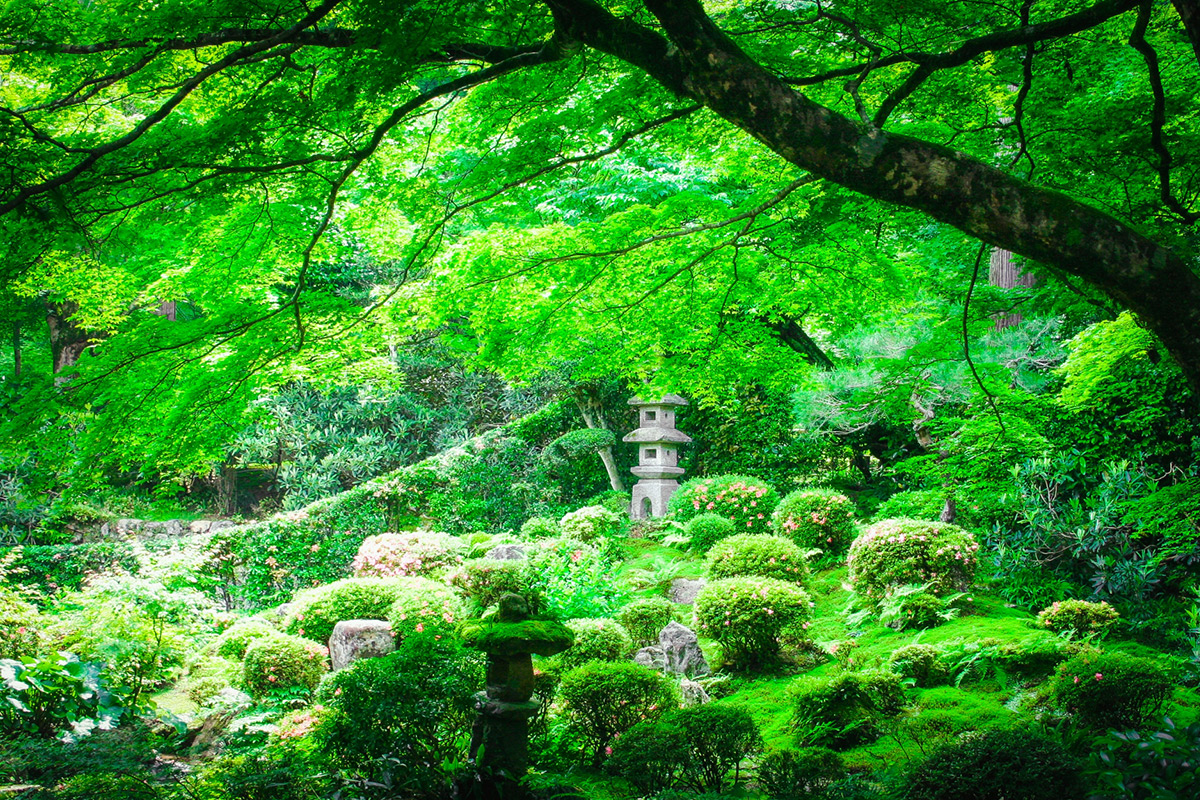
(625, 187)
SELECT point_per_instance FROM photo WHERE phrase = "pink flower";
(315, 548)
(1077, 679)
(420, 627)
(272, 678)
(1098, 676)
(608, 751)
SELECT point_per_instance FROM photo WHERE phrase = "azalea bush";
(418, 553)
(283, 662)
(606, 699)
(425, 607)
(816, 518)
(757, 554)
(896, 552)
(1111, 690)
(314, 612)
(747, 615)
(591, 524)
(745, 501)
(707, 529)
(1078, 617)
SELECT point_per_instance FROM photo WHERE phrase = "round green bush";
(1014, 764)
(1078, 617)
(232, 642)
(707, 529)
(745, 501)
(649, 755)
(591, 524)
(424, 607)
(719, 738)
(816, 518)
(1110, 690)
(645, 619)
(906, 551)
(920, 662)
(536, 528)
(595, 640)
(417, 701)
(913, 504)
(21, 626)
(844, 709)
(314, 612)
(758, 554)
(747, 615)
(204, 690)
(798, 774)
(280, 661)
(606, 699)
(416, 553)
(484, 580)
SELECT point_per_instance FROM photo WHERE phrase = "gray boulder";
(507, 552)
(653, 656)
(692, 693)
(353, 639)
(682, 648)
(685, 590)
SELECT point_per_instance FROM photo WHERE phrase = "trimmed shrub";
(645, 619)
(604, 700)
(1110, 690)
(745, 501)
(204, 690)
(484, 580)
(1015, 764)
(719, 738)
(845, 709)
(905, 551)
(314, 612)
(707, 529)
(747, 615)
(396, 555)
(920, 662)
(797, 774)
(595, 640)
(232, 643)
(820, 518)
(536, 528)
(1078, 617)
(424, 607)
(21, 626)
(591, 524)
(758, 554)
(282, 662)
(650, 755)
(415, 704)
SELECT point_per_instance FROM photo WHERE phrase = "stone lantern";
(658, 455)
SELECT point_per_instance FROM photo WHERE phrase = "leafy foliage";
(757, 554)
(896, 552)
(747, 615)
(745, 501)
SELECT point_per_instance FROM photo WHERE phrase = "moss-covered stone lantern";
(510, 639)
(658, 455)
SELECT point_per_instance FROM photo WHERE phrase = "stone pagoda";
(658, 455)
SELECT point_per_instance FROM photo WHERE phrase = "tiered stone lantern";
(658, 455)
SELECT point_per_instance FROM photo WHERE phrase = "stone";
(692, 693)
(170, 527)
(653, 657)
(686, 590)
(507, 552)
(220, 525)
(353, 639)
(230, 696)
(682, 648)
(199, 525)
(128, 525)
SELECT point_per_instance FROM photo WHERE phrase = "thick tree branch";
(950, 186)
(1189, 13)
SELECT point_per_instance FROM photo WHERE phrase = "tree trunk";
(698, 60)
(925, 439)
(1004, 273)
(587, 400)
(67, 340)
(227, 490)
(16, 342)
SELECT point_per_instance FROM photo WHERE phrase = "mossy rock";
(541, 637)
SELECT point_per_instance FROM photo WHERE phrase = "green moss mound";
(541, 637)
